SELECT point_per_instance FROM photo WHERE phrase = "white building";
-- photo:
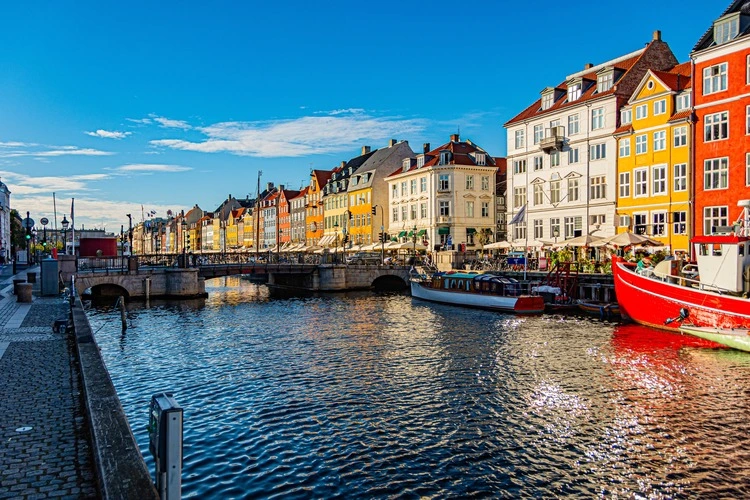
(5, 243)
(562, 158)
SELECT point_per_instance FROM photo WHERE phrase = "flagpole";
(72, 227)
(525, 246)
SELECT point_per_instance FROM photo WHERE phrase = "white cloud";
(21, 184)
(142, 121)
(308, 135)
(106, 134)
(50, 151)
(169, 123)
(16, 144)
(152, 167)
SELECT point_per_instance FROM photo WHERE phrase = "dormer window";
(406, 164)
(683, 102)
(548, 98)
(726, 29)
(420, 161)
(605, 81)
(626, 116)
(480, 159)
(445, 157)
(574, 90)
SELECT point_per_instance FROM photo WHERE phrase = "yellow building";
(654, 179)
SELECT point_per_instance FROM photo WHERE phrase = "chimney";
(454, 138)
(657, 36)
(269, 186)
(588, 66)
(426, 147)
(281, 187)
(365, 150)
(391, 143)
(229, 196)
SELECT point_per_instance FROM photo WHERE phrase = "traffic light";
(374, 212)
(351, 215)
(346, 239)
(28, 236)
(380, 237)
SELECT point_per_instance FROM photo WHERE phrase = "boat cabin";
(476, 283)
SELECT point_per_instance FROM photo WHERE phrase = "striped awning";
(402, 234)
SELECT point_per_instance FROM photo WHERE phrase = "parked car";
(363, 258)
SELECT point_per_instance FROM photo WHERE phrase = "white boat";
(483, 291)
(736, 338)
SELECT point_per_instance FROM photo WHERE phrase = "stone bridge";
(168, 282)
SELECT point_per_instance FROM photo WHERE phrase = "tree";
(485, 236)
(17, 231)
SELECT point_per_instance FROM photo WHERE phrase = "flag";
(520, 216)
(72, 213)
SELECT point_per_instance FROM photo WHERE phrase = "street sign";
(28, 223)
(44, 221)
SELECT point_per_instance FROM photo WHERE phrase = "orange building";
(721, 81)
(314, 205)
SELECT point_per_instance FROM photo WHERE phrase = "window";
(420, 161)
(572, 155)
(413, 186)
(660, 140)
(573, 226)
(680, 136)
(597, 220)
(639, 223)
(715, 78)
(574, 92)
(538, 163)
(554, 158)
(660, 107)
(679, 174)
(641, 111)
(520, 142)
(469, 182)
(403, 189)
(444, 208)
(443, 182)
(394, 216)
(538, 133)
(519, 166)
(412, 212)
(548, 99)
(624, 185)
(485, 209)
(604, 82)
(554, 227)
(683, 102)
(747, 169)
(714, 217)
(423, 184)
(485, 183)
(469, 237)
(423, 210)
(641, 144)
(747, 120)
(716, 126)
(659, 178)
(598, 188)
(679, 222)
(519, 197)
(715, 173)
(469, 209)
(573, 127)
(597, 118)
(572, 189)
(554, 192)
(598, 151)
(538, 228)
(480, 158)
(445, 157)
(658, 223)
(404, 209)
(624, 147)
(538, 194)
(626, 116)
(726, 29)
(640, 182)
(519, 231)
(394, 191)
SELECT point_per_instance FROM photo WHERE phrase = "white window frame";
(519, 166)
(538, 229)
(605, 82)
(641, 144)
(423, 184)
(726, 29)
(469, 209)
(423, 210)
(716, 173)
(660, 140)
(660, 107)
(641, 111)
(485, 183)
(626, 116)
(598, 151)
(520, 139)
(519, 197)
(574, 125)
(597, 118)
(747, 169)
(444, 208)
(659, 184)
(538, 133)
(574, 91)
(470, 182)
(624, 147)
(554, 191)
(659, 222)
(538, 194)
(640, 182)
(640, 222)
(716, 126)
(679, 222)
(538, 163)
(485, 209)
(679, 136)
(598, 187)
(394, 214)
(747, 120)
(573, 191)
(548, 99)
(444, 182)
(624, 185)
(679, 177)
(715, 216)
(554, 158)
(573, 156)
(715, 78)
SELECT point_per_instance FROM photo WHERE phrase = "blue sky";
(169, 104)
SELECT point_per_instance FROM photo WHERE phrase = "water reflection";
(377, 395)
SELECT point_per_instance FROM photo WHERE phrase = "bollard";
(24, 292)
(15, 285)
(30, 277)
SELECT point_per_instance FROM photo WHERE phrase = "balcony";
(444, 219)
(553, 139)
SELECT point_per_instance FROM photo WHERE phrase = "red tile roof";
(680, 115)
(677, 78)
(624, 129)
(460, 156)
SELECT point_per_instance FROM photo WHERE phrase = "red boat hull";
(651, 302)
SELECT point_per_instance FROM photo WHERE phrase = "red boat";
(669, 294)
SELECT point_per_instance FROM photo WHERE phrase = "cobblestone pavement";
(44, 439)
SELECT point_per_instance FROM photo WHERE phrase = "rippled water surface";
(367, 395)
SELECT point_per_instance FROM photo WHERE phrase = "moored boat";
(484, 291)
(672, 294)
(601, 310)
(736, 338)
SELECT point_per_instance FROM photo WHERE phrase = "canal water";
(367, 395)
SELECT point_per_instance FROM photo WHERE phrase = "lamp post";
(336, 242)
(130, 234)
(382, 231)
(183, 225)
(64, 225)
(278, 248)
(414, 238)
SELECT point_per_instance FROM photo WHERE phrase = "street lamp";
(183, 225)
(336, 242)
(414, 238)
(556, 233)
(65, 222)
(278, 248)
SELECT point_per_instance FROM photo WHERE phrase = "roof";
(680, 115)
(707, 40)
(460, 150)
(677, 78)
(623, 64)
(624, 129)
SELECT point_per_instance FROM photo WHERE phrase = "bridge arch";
(108, 290)
(389, 282)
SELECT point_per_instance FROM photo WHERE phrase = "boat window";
(717, 250)
(742, 248)
(703, 249)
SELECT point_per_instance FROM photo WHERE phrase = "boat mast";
(257, 216)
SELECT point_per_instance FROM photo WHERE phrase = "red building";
(721, 81)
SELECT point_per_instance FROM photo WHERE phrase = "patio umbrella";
(628, 239)
(498, 244)
(585, 240)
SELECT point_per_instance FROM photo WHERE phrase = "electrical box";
(165, 444)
